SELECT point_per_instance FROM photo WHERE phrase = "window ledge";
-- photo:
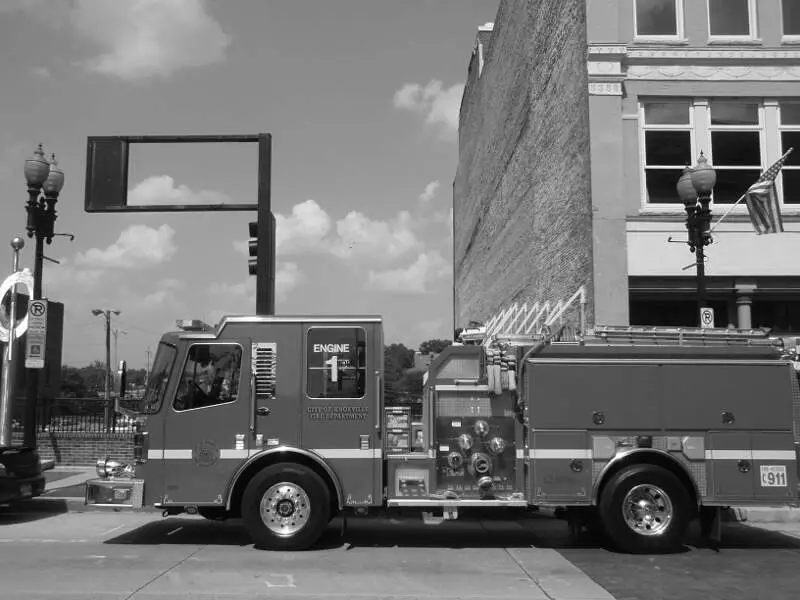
(791, 40)
(655, 41)
(734, 41)
(668, 213)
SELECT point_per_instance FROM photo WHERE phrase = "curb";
(760, 514)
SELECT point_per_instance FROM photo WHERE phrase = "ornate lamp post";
(42, 176)
(694, 189)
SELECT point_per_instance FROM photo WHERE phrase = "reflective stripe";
(553, 454)
(442, 387)
(750, 455)
(228, 453)
(520, 453)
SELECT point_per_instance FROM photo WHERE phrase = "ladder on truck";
(522, 324)
(653, 335)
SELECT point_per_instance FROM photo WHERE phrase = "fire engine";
(280, 421)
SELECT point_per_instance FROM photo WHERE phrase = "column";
(743, 303)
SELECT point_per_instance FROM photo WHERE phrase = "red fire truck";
(280, 421)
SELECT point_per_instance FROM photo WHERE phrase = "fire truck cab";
(280, 420)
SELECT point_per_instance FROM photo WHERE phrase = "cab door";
(207, 422)
(342, 388)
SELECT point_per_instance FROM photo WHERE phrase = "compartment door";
(730, 465)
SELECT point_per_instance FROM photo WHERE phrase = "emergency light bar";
(193, 325)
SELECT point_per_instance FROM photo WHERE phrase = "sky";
(361, 98)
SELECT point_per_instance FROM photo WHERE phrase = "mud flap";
(711, 523)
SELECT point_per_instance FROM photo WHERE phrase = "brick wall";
(82, 449)
(522, 201)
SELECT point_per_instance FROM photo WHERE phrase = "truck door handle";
(262, 411)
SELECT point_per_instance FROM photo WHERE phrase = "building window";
(668, 144)
(791, 18)
(659, 19)
(736, 153)
(790, 138)
(731, 18)
(740, 137)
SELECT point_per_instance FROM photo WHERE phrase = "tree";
(396, 359)
(410, 383)
(435, 345)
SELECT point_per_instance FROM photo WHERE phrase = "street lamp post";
(44, 176)
(694, 189)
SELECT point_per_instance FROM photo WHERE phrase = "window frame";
(752, 12)
(679, 23)
(183, 371)
(787, 37)
(781, 128)
(306, 369)
(770, 130)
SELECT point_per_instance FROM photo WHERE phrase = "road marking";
(288, 581)
(113, 529)
(176, 530)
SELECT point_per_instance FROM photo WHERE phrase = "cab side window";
(337, 362)
(210, 377)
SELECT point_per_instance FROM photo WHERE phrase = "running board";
(426, 503)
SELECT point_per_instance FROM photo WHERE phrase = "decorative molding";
(604, 67)
(712, 54)
(714, 72)
(617, 49)
(605, 88)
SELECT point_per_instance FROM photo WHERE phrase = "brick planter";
(82, 448)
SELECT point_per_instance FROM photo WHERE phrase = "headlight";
(106, 467)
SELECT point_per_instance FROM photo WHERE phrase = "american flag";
(762, 200)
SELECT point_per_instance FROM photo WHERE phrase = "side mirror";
(120, 382)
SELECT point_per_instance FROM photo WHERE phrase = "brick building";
(577, 119)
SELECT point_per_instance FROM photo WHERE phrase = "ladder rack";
(621, 334)
(528, 323)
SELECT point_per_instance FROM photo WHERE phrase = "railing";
(74, 415)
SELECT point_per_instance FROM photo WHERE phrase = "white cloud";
(137, 246)
(287, 278)
(160, 189)
(439, 105)
(149, 38)
(413, 279)
(41, 72)
(429, 193)
(310, 230)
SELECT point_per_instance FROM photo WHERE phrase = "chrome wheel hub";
(285, 509)
(647, 510)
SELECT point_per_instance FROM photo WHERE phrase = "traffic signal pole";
(264, 231)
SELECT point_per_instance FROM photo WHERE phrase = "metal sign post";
(9, 334)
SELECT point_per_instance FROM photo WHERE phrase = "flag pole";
(727, 212)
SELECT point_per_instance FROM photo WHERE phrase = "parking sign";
(37, 334)
(706, 317)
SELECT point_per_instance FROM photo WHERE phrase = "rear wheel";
(645, 509)
(286, 507)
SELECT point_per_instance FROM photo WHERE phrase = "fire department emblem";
(206, 453)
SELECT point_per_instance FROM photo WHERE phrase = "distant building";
(577, 119)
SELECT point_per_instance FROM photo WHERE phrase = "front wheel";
(286, 507)
(645, 509)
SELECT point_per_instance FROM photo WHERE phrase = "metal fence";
(75, 415)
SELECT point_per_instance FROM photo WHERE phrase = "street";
(144, 556)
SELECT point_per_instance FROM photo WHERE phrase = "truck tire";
(645, 509)
(286, 507)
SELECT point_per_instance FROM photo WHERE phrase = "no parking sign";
(706, 317)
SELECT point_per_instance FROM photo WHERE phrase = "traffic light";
(252, 245)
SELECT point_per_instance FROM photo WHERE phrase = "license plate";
(25, 490)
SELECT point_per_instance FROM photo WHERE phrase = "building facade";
(652, 84)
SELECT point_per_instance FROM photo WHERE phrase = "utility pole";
(147, 370)
(116, 332)
(106, 313)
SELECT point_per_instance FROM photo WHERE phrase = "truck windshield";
(157, 383)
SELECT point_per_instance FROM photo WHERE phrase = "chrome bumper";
(115, 492)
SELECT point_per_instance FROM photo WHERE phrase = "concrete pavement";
(141, 556)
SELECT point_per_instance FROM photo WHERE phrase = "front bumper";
(115, 492)
(20, 488)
